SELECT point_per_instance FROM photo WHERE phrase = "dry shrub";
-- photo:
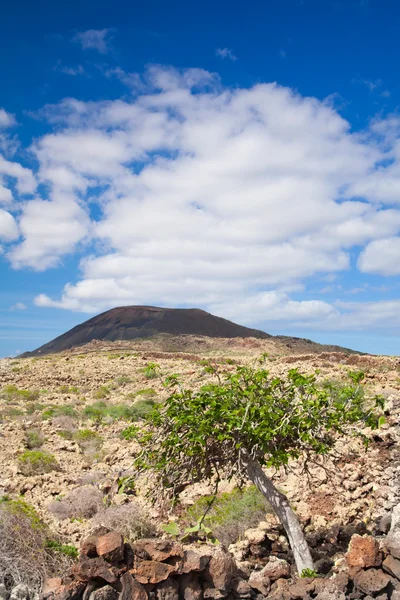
(80, 503)
(25, 556)
(65, 423)
(127, 519)
(92, 477)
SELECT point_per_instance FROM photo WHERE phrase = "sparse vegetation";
(28, 552)
(128, 519)
(102, 392)
(81, 503)
(36, 462)
(64, 410)
(230, 513)
(90, 442)
(11, 394)
(34, 438)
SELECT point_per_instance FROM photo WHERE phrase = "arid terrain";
(75, 405)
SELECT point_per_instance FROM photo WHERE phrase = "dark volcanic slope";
(130, 322)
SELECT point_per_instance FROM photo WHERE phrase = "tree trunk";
(284, 512)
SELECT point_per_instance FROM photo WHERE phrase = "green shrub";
(230, 514)
(11, 393)
(36, 462)
(145, 393)
(66, 410)
(11, 412)
(34, 438)
(88, 441)
(123, 380)
(33, 407)
(65, 549)
(102, 392)
(151, 370)
(65, 389)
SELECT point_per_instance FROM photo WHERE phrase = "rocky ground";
(51, 395)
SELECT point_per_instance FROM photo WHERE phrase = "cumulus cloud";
(228, 199)
(381, 256)
(95, 39)
(6, 119)
(225, 53)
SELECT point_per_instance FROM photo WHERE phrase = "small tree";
(248, 420)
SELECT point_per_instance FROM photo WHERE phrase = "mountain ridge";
(129, 323)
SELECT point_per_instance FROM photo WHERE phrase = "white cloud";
(18, 306)
(225, 199)
(78, 70)
(95, 39)
(6, 119)
(50, 229)
(225, 53)
(8, 227)
(381, 257)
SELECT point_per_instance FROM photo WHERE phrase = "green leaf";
(172, 528)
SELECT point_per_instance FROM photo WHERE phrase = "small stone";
(363, 552)
(276, 568)
(302, 588)
(104, 593)
(392, 566)
(20, 592)
(241, 589)
(4, 595)
(111, 547)
(168, 590)
(384, 523)
(393, 542)
(131, 589)
(212, 593)
(371, 581)
(190, 587)
(259, 581)
(151, 571)
(255, 535)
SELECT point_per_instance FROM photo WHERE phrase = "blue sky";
(240, 157)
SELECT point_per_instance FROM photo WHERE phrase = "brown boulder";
(111, 547)
(159, 550)
(190, 587)
(392, 566)
(260, 582)
(93, 568)
(302, 588)
(371, 581)
(131, 589)
(168, 590)
(151, 571)
(363, 552)
(194, 561)
(276, 568)
(241, 589)
(104, 593)
(72, 591)
(221, 570)
(88, 547)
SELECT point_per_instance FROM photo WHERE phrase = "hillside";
(135, 323)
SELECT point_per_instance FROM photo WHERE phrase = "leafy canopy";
(199, 433)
